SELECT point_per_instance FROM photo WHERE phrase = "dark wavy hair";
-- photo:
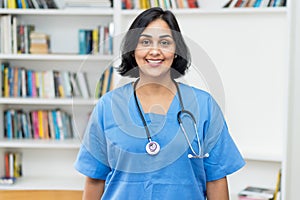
(182, 60)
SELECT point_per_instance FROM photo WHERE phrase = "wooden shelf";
(75, 182)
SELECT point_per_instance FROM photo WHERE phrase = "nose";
(155, 50)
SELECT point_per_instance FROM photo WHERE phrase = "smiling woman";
(155, 51)
(156, 138)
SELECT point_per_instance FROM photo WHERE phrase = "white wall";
(291, 168)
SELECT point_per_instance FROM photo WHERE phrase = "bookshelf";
(48, 163)
(246, 45)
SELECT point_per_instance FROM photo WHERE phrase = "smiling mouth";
(154, 62)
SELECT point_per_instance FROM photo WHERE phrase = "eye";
(145, 42)
(165, 43)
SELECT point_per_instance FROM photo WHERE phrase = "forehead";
(157, 27)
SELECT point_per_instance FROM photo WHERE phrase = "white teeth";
(154, 61)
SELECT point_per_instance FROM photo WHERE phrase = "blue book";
(9, 129)
(19, 3)
(257, 3)
(25, 125)
(19, 82)
(56, 128)
(89, 41)
(29, 83)
(82, 41)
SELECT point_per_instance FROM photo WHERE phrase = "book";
(39, 43)
(4, 79)
(256, 193)
(7, 180)
(82, 42)
(74, 85)
(13, 165)
(49, 86)
(278, 186)
(83, 84)
(17, 164)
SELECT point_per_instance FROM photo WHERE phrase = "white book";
(6, 36)
(67, 83)
(14, 36)
(264, 3)
(233, 3)
(49, 87)
(11, 164)
(75, 87)
(35, 4)
(136, 4)
(174, 5)
(83, 84)
(23, 83)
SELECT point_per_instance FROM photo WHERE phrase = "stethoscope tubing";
(179, 119)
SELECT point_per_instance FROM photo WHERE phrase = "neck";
(155, 97)
(154, 88)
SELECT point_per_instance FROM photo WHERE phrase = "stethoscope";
(152, 147)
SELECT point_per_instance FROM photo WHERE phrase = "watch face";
(152, 148)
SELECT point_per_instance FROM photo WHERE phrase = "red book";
(7, 174)
(192, 3)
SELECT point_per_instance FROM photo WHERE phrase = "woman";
(156, 138)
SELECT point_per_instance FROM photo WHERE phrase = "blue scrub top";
(113, 147)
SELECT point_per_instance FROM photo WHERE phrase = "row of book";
(105, 83)
(29, 4)
(14, 37)
(37, 124)
(21, 82)
(12, 167)
(175, 4)
(88, 3)
(166, 4)
(23, 39)
(13, 164)
(97, 41)
(255, 3)
(262, 193)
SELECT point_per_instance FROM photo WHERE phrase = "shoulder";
(203, 98)
(200, 94)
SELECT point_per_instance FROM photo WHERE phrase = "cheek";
(139, 53)
(169, 56)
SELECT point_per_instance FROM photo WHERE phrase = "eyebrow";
(161, 36)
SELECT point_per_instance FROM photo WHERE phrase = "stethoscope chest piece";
(152, 148)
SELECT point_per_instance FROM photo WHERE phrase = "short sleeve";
(92, 157)
(224, 156)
